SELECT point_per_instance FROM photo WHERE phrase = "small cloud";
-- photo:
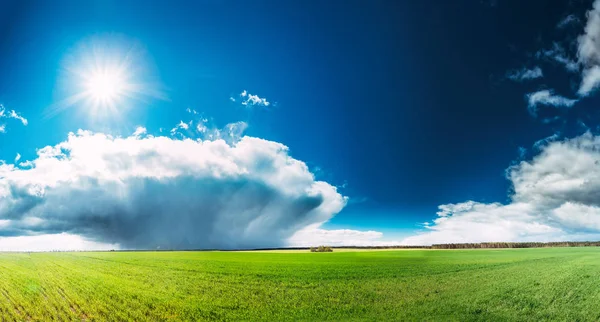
(568, 20)
(524, 74)
(231, 98)
(357, 200)
(17, 158)
(522, 152)
(558, 54)
(547, 97)
(139, 131)
(201, 128)
(27, 164)
(12, 114)
(539, 144)
(235, 130)
(548, 120)
(251, 100)
(182, 125)
(582, 125)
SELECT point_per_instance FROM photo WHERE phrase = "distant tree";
(321, 249)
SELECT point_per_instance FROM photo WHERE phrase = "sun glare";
(105, 86)
(105, 76)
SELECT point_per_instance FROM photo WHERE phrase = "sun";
(104, 77)
(106, 86)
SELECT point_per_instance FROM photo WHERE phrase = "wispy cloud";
(10, 114)
(540, 144)
(139, 131)
(567, 21)
(524, 74)
(558, 54)
(547, 97)
(588, 51)
(200, 128)
(181, 126)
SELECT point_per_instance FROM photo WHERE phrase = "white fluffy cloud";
(556, 197)
(525, 74)
(547, 97)
(146, 192)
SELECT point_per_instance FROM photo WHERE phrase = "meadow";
(461, 285)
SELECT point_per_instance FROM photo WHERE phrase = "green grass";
(487, 285)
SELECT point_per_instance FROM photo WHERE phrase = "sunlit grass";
(517, 284)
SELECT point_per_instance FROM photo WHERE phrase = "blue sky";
(407, 109)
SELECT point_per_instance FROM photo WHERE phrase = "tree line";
(515, 245)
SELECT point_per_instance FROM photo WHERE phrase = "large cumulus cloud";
(556, 196)
(146, 192)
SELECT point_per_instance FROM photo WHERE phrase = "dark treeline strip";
(383, 247)
(515, 245)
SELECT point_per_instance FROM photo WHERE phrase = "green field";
(515, 284)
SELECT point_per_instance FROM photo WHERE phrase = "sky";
(250, 124)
